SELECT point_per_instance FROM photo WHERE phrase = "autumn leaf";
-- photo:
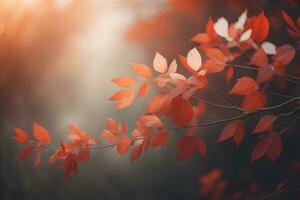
(136, 152)
(123, 145)
(244, 86)
(201, 147)
(254, 100)
(265, 123)
(194, 59)
(235, 129)
(229, 74)
(284, 56)
(38, 159)
(143, 90)
(160, 63)
(186, 147)
(21, 135)
(123, 98)
(25, 152)
(181, 111)
(265, 74)
(261, 148)
(112, 125)
(108, 136)
(260, 28)
(259, 58)
(275, 149)
(160, 139)
(41, 134)
(124, 81)
(151, 121)
(142, 70)
(156, 103)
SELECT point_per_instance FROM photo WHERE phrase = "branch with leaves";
(217, 51)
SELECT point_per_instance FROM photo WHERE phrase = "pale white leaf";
(246, 35)
(173, 67)
(221, 27)
(160, 63)
(269, 48)
(241, 21)
(194, 59)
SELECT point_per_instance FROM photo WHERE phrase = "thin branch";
(289, 125)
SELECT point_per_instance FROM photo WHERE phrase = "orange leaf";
(254, 101)
(260, 28)
(41, 134)
(239, 133)
(143, 90)
(151, 121)
(156, 103)
(259, 58)
(25, 152)
(136, 152)
(261, 148)
(229, 74)
(21, 135)
(213, 66)
(244, 86)
(121, 95)
(123, 127)
(108, 136)
(142, 70)
(124, 81)
(112, 125)
(215, 54)
(160, 63)
(160, 139)
(79, 133)
(123, 145)
(265, 123)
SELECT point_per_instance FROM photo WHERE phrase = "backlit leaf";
(21, 135)
(160, 63)
(41, 134)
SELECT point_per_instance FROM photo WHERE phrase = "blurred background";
(57, 58)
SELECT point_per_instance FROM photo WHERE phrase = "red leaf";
(201, 147)
(112, 125)
(215, 54)
(235, 129)
(285, 54)
(265, 124)
(227, 132)
(229, 74)
(288, 20)
(143, 90)
(151, 121)
(239, 133)
(160, 139)
(142, 70)
(38, 159)
(275, 148)
(260, 28)
(260, 58)
(124, 81)
(123, 98)
(160, 63)
(25, 152)
(254, 101)
(265, 74)
(21, 135)
(156, 104)
(244, 86)
(261, 148)
(181, 111)
(136, 152)
(123, 145)
(41, 134)
(186, 147)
